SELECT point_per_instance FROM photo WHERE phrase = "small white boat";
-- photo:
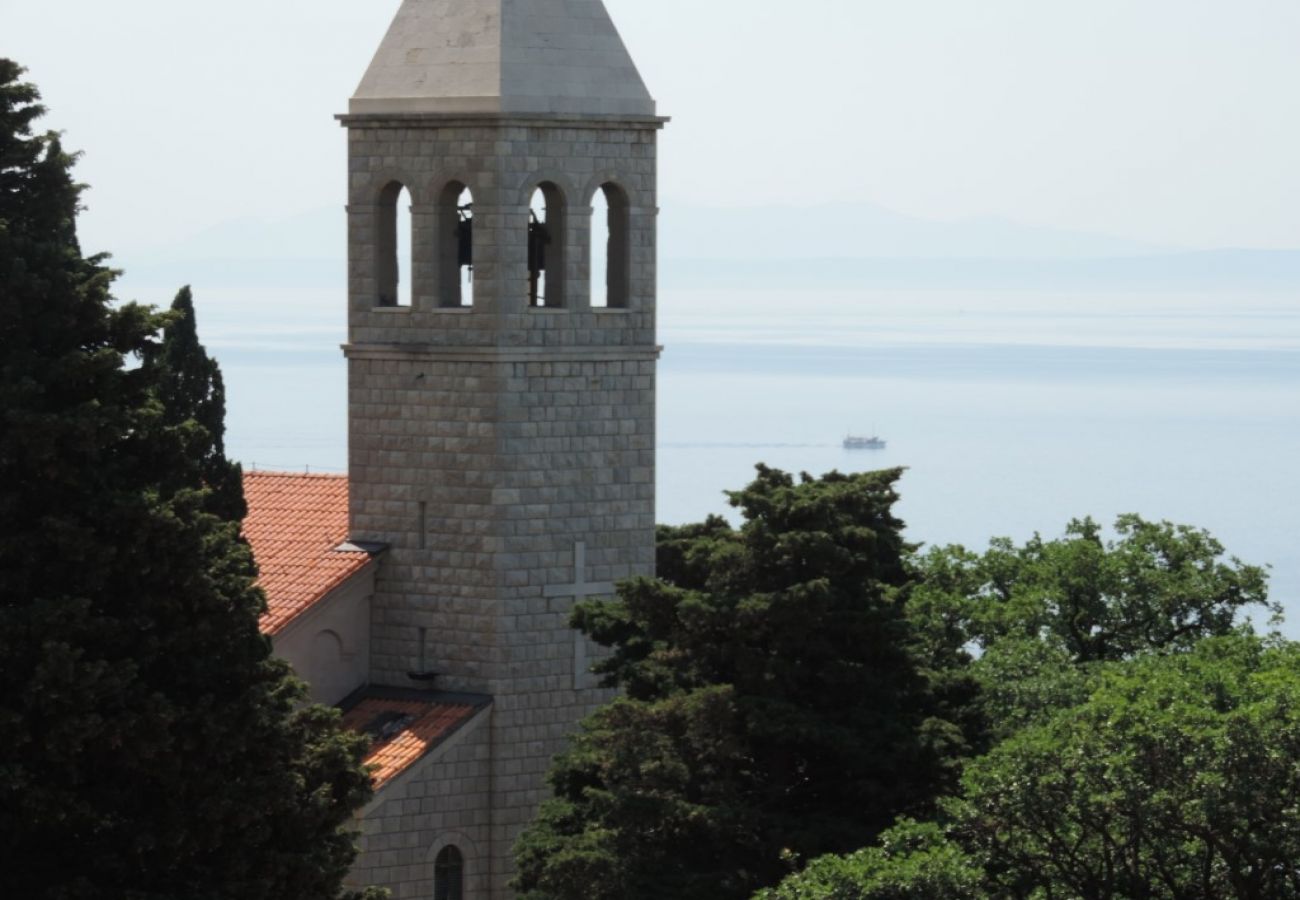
(858, 442)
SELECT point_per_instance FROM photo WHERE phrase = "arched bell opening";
(611, 252)
(392, 246)
(546, 256)
(456, 246)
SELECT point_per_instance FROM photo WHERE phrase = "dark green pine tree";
(193, 396)
(773, 709)
(150, 746)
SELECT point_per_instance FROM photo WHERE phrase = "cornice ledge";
(371, 351)
(505, 119)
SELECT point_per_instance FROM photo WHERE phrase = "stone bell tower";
(501, 392)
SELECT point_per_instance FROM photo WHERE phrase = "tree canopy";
(771, 707)
(150, 747)
(1175, 779)
(1043, 615)
(1139, 741)
(1156, 586)
(193, 397)
(912, 861)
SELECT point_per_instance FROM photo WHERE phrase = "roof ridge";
(324, 476)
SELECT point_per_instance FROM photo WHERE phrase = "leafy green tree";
(1045, 614)
(772, 708)
(1176, 779)
(150, 747)
(912, 861)
(193, 397)
(1159, 586)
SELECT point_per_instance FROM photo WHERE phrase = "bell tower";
(501, 377)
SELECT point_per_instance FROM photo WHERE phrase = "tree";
(1175, 779)
(193, 397)
(1044, 614)
(913, 861)
(1159, 586)
(772, 707)
(150, 747)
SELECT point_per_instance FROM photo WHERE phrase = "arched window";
(393, 245)
(449, 875)
(326, 652)
(456, 246)
(328, 672)
(611, 256)
(546, 258)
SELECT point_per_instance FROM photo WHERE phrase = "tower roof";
(503, 56)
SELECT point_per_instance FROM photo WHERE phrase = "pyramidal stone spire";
(503, 57)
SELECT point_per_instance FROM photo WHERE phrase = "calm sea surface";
(1013, 413)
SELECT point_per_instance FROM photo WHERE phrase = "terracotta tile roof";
(294, 524)
(414, 727)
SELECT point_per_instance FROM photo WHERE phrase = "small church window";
(449, 875)
(393, 246)
(610, 248)
(456, 246)
(546, 258)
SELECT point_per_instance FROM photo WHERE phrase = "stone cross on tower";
(495, 423)
(577, 592)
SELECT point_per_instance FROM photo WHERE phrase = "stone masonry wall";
(447, 802)
(505, 454)
(502, 163)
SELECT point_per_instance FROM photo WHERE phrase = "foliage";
(771, 705)
(150, 747)
(1044, 615)
(1158, 586)
(912, 862)
(1023, 681)
(1177, 778)
(193, 397)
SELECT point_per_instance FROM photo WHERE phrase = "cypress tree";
(150, 746)
(193, 397)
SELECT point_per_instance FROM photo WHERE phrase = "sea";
(1012, 412)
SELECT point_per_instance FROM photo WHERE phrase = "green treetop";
(150, 747)
(193, 397)
(1143, 744)
(772, 710)
(1175, 779)
(1156, 586)
(1045, 614)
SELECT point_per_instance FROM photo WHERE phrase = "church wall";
(329, 644)
(445, 800)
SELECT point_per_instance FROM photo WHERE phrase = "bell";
(539, 237)
(465, 237)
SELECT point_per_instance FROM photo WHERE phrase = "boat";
(858, 442)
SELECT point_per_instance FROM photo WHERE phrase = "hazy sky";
(1171, 121)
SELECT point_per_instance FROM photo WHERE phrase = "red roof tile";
(418, 726)
(294, 524)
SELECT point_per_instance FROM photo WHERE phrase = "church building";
(501, 425)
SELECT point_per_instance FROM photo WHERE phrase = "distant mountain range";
(850, 231)
(840, 246)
